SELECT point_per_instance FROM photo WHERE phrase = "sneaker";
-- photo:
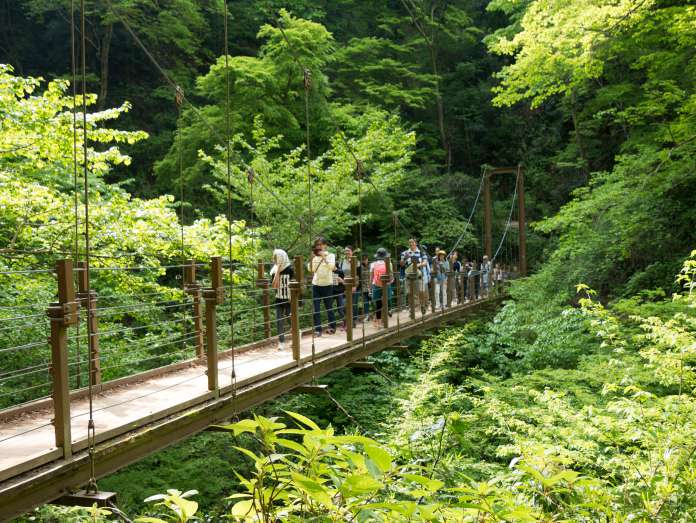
(281, 345)
(317, 334)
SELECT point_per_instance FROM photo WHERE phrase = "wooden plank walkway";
(125, 413)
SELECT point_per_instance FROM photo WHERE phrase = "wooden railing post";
(263, 284)
(300, 272)
(213, 296)
(450, 287)
(385, 278)
(62, 314)
(462, 287)
(412, 294)
(397, 286)
(193, 289)
(350, 283)
(471, 283)
(295, 290)
(481, 289)
(88, 301)
(431, 293)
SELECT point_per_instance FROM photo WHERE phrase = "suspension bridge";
(91, 382)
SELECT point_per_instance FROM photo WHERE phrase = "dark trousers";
(366, 303)
(325, 294)
(282, 313)
(377, 297)
(339, 297)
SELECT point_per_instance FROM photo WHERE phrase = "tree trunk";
(104, 52)
(578, 139)
(440, 106)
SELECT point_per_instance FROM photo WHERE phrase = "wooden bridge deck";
(144, 414)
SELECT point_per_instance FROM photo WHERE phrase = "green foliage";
(42, 220)
(179, 508)
(627, 78)
(59, 514)
(383, 145)
(618, 427)
(319, 476)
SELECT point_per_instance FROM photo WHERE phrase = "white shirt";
(322, 268)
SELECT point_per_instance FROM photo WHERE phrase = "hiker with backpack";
(378, 268)
(413, 261)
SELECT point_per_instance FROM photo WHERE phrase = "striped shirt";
(283, 290)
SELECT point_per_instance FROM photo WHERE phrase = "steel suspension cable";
(91, 430)
(73, 70)
(397, 300)
(180, 161)
(254, 231)
(307, 85)
(359, 173)
(471, 214)
(509, 219)
(233, 371)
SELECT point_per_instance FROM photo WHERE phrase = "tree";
(280, 182)
(270, 85)
(176, 28)
(631, 63)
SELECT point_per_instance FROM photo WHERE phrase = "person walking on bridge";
(440, 270)
(364, 277)
(322, 265)
(485, 276)
(281, 274)
(426, 276)
(413, 261)
(380, 291)
(456, 266)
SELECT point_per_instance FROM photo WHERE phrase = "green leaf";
(357, 485)
(241, 427)
(303, 420)
(249, 453)
(430, 485)
(243, 509)
(313, 489)
(380, 457)
(292, 445)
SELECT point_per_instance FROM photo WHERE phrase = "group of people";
(374, 282)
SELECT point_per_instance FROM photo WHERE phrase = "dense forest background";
(573, 402)
(598, 98)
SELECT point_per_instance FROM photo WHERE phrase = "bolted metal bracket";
(83, 498)
(216, 296)
(63, 313)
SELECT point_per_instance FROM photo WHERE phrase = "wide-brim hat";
(381, 253)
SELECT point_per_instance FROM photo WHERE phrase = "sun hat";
(381, 253)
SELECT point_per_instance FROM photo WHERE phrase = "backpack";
(412, 266)
(379, 269)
